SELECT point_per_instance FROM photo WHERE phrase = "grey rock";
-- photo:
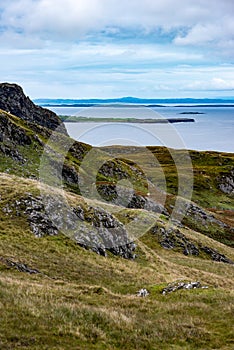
(127, 198)
(143, 292)
(202, 216)
(216, 256)
(174, 239)
(92, 228)
(21, 267)
(12, 153)
(13, 100)
(173, 287)
(226, 183)
(11, 133)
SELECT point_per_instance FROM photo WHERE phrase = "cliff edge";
(13, 100)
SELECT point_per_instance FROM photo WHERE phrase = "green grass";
(81, 300)
(57, 315)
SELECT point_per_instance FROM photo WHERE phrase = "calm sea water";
(213, 130)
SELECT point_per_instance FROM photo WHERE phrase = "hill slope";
(73, 298)
(71, 262)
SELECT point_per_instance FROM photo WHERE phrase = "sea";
(212, 129)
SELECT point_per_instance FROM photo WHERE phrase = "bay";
(213, 130)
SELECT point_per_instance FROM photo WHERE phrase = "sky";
(115, 48)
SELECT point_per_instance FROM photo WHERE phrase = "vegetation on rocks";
(72, 263)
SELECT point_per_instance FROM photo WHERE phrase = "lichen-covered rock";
(172, 238)
(92, 228)
(226, 183)
(13, 100)
(127, 198)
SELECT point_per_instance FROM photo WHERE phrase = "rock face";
(202, 216)
(126, 197)
(174, 239)
(14, 101)
(92, 228)
(226, 183)
(9, 132)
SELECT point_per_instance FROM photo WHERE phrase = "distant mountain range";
(129, 100)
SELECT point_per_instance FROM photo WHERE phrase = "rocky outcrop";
(21, 267)
(172, 238)
(12, 153)
(12, 136)
(14, 101)
(11, 133)
(202, 216)
(205, 222)
(226, 183)
(128, 198)
(216, 256)
(173, 287)
(92, 228)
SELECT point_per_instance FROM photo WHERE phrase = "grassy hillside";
(58, 293)
(81, 300)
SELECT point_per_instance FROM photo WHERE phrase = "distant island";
(80, 119)
(191, 113)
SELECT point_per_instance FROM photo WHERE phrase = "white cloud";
(216, 84)
(56, 47)
(218, 34)
(195, 23)
(72, 18)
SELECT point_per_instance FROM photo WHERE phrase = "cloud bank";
(189, 21)
(122, 42)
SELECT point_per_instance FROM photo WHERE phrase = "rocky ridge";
(14, 101)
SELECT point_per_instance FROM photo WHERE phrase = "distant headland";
(80, 119)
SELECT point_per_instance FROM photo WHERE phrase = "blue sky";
(115, 48)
